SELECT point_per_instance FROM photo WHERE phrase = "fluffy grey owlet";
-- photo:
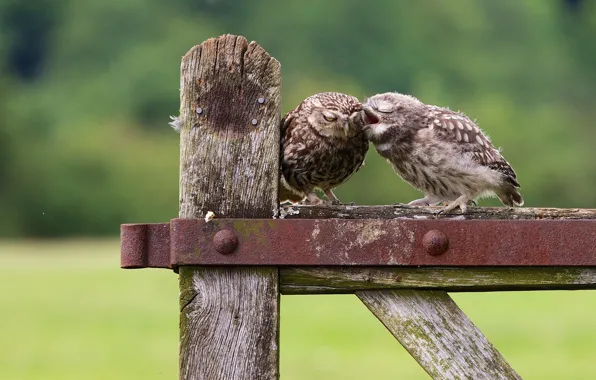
(322, 146)
(438, 151)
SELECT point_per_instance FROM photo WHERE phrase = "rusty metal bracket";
(359, 242)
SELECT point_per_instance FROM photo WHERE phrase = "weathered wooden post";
(229, 165)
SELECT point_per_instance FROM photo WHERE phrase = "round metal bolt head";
(254, 121)
(199, 110)
(225, 242)
(261, 100)
(435, 242)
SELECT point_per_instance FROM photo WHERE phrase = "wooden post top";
(230, 99)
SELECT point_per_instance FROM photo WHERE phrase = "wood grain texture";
(229, 164)
(415, 212)
(228, 322)
(341, 280)
(437, 333)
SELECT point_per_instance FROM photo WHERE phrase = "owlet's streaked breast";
(322, 146)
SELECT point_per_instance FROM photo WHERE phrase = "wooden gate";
(400, 261)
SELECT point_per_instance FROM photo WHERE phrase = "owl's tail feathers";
(510, 196)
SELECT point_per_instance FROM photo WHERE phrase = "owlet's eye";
(329, 116)
(385, 108)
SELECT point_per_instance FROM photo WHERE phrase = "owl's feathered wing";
(287, 123)
(454, 127)
(285, 191)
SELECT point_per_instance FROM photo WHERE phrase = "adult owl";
(322, 146)
(438, 151)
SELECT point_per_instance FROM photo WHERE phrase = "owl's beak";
(354, 123)
(369, 116)
(346, 129)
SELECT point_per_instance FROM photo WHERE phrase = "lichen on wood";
(229, 165)
(401, 211)
(336, 280)
(228, 320)
(226, 161)
(437, 333)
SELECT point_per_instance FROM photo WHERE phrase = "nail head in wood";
(435, 242)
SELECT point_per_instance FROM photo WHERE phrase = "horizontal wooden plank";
(337, 280)
(437, 333)
(418, 212)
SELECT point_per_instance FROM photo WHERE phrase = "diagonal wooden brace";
(437, 333)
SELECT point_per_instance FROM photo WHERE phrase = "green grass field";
(69, 312)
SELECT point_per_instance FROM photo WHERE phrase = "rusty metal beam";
(359, 242)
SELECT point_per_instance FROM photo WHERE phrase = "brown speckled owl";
(438, 151)
(322, 146)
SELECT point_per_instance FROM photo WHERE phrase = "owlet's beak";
(369, 115)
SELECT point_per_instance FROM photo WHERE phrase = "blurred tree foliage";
(86, 88)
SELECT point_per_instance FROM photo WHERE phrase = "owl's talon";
(461, 202)
(313, 200)
(441, 212)
(338, 203)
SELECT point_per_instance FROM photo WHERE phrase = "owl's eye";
(329, 116)
(385, 108)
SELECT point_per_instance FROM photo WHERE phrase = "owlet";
(438, 151)
(322, 146)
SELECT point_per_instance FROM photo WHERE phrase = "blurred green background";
(86, 88)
